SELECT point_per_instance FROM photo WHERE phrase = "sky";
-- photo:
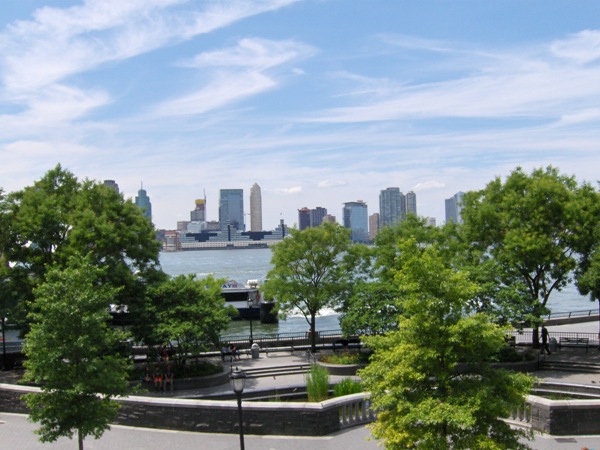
(320, 102)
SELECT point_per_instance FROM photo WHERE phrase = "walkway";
(16, 433)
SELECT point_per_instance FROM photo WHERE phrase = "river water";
(248, 264)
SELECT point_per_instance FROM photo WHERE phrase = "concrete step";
(272, 371)
(570, 366)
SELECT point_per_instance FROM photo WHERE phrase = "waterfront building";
(373, 225)
(328, 218)
(143, 202)
(255, 208)
(390, 207)
(303, 218)
(316, 216)
(112, 184)
(231, 209)
(182, 225)
(454, 207)
(411, 203)
(199, 212)
(356, 218)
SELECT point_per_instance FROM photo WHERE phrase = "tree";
(189, 311)
(309, 273)
(74, 354)
(374, 304)
(528, 230)
(59, 217)
(431, 380)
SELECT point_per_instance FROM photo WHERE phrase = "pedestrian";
(545, 347)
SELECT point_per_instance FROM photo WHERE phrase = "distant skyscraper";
(255, 208)
(373, 225)
(390, 207)
(454, 208)
(199, 213)
(143, 202)
(112, 184)
(356, 218)
(316, 216)
(303, 218)
(231, 208)
(411, 203)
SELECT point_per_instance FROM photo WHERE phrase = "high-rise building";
(356, 218)
(143, 202)
(411, 203)
(112, 184)
(316, 216)
(390, 207)
(255, 208)
(231, 208)
(373, 225)
(199, 213)
(303, 218)
(454, 208)
(328, 218)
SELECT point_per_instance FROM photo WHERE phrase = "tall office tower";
(390, 207)
(316, 216)
(454, 207)
(112, 184)
(303, 218)
(143, 202)
(411, 203)
(373, 225)
(356, 218)
(255, 208)
(231, 208)
(199, 213)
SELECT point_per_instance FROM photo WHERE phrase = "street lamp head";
(238, 380)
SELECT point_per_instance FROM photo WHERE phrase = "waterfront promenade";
(16, 432)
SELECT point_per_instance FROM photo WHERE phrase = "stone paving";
(17, 433)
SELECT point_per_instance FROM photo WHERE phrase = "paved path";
(16, 433)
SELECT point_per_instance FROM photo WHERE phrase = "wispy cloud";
(242, 71)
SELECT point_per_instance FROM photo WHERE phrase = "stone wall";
(264, 418)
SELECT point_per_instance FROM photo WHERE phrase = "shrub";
(346, 358)
(346, 387)
(317, 383)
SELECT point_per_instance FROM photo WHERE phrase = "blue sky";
(320, 102)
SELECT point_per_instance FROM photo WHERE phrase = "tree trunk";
(535, 337)
(80, 439)
(313, 334)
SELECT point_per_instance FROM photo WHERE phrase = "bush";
(346, 358)
(346, 387)
(317, 383)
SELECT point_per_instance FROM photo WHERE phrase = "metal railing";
(571, 314)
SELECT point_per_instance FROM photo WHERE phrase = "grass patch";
(346, 387)
(317, 383)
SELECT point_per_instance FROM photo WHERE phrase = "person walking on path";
(545, 347)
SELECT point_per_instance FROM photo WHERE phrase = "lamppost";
(250, 305)
(238, 380)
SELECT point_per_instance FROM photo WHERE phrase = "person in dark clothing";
(545, 347)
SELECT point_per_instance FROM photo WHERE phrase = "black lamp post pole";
(250, 304)
(241, 420)
(238, 379)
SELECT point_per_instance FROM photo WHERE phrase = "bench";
(574, 341)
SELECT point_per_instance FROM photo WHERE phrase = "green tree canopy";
(431, 380)
(375, 302)
(527, 229)
(74, 354)
(187, 311)
(309, 272)
(59, 217)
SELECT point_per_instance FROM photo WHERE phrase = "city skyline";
(320, 102)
